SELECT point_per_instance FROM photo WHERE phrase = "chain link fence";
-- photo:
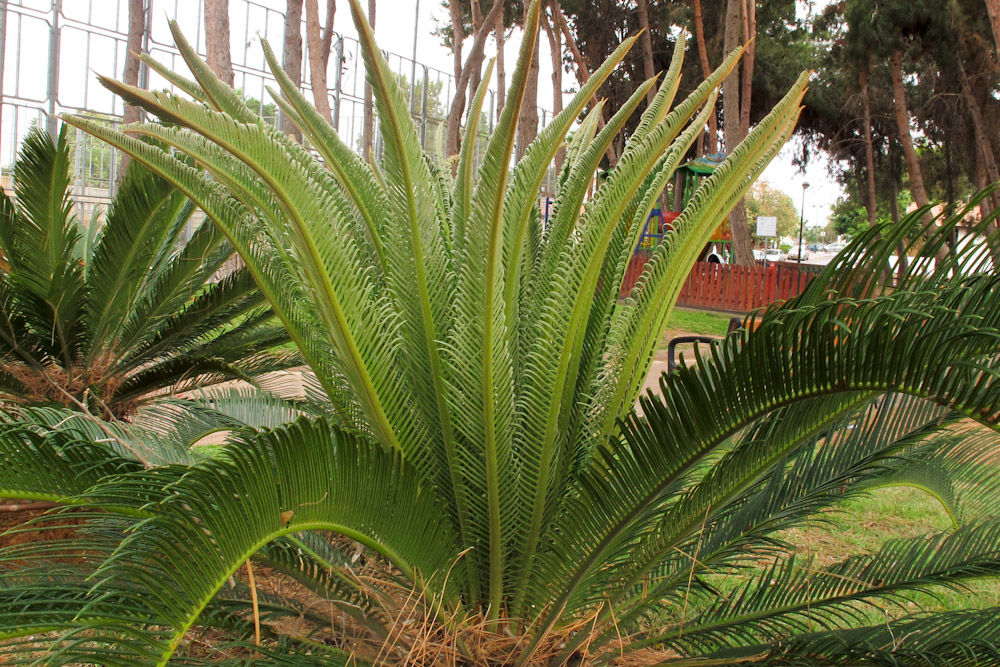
(51, 50)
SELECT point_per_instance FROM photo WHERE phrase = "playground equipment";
(686, 183)
(713, 283)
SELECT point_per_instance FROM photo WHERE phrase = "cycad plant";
(482, 491)
(106, 319)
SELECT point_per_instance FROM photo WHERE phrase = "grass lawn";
(860, 525)
(701, 322)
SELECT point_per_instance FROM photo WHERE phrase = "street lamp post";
(802, 218)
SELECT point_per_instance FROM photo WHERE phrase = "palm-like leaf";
(481, 378)
(137, 316)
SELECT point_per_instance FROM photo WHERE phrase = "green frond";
(259, 254)
(964, 638)
(299, 478)
(529, 173)
(43, 264)
(217, 93)
(421, 279)
(42, 463)
(461, 198)
(741, 518)
(480, 355)
(185, 84)
(135, 232)
(546, 390)
(812, 352)
(635, 329)
(347, 165)
(790, 598)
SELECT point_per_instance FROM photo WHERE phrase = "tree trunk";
(457, 36)
(133, 47)
(903, 125)
(368, 128)
(217, 39)
(901, 259)
(749, 36)
(453, 137)
(476, 77)
(499, 31)
(555, 47)
(985, 153)
(527, 123)
(582, 68)
(742, 248)
(706, 71)
(870, 198)
(647, 48)
(291, 60)
(902, 114)
(319, 54)
(980, 181)
(993, 8)
(453, 140)
(979, 127)
(949, 167)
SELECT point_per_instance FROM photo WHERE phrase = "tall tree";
(133, 47)
(555, 50)
(320, 41)
(647, 47)
(368, 128)
(527, 124)
(136, 29)
(993, 9)
(733, 128)
(582, 66)
(217, 39)
(292, 56)
(706, 70)
(750, 38)
(476, 76)
(473, 62)
(984, 147)
(902, 116)
(871, 198)
(499, 30)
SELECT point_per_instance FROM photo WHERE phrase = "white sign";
(767, 225)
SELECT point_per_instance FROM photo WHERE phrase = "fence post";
(493, 111)
(338, 53)
(3, 58)
(413, 62)
(143, 68)
(52, 88)
(423, 111)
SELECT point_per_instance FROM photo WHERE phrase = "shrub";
(494, 498)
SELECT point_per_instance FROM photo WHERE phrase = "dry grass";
(419, 631)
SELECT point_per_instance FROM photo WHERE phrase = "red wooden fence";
(737, 289)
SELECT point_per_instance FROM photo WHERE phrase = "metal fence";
(51, 49)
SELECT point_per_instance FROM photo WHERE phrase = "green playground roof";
(705, 164)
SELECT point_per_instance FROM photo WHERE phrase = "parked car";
(814, 247)
(835, 247)
(758, 255)
(795, 251)
(774, 255)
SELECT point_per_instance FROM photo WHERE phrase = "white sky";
(394, 30)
